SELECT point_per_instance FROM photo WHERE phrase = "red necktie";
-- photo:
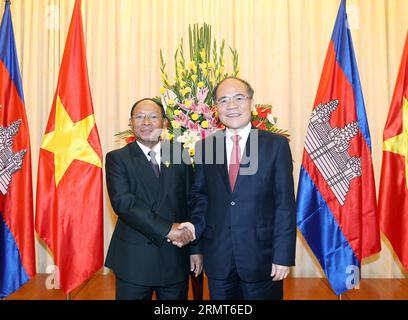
(234, 161)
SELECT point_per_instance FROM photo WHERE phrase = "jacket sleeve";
(198, 198)
(285, 211)
(130, 208)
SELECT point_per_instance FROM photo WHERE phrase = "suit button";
(232, 203)
(229, 227)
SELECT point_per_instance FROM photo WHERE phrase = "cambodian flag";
(17, 256)
(336, 202)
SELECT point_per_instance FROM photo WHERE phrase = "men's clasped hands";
(181, 234)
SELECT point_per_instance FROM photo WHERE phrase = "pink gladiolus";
(193, 126)
(182, 119)
(202, 94)
(186, 108)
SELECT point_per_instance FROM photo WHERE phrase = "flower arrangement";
(188, 99)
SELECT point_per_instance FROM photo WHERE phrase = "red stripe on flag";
(17, 204)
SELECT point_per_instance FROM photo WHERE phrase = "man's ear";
(165, 123)
(253, 105)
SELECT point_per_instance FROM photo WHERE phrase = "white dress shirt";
(156, 149)
(243, 133)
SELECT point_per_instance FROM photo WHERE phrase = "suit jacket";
(146, 207)
(253, 226)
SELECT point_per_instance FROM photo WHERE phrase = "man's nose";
(231, 104)
(146, 120)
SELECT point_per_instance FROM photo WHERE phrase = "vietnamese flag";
(69, 210)
(393, 197)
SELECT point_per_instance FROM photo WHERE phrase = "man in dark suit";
(148, 184)
(242, 202)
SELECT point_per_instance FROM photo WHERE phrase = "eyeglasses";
(238, 100)
(142, 116)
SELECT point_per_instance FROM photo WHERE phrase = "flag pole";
(339, 297)
(68, 297)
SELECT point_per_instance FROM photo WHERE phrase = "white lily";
(189, 139)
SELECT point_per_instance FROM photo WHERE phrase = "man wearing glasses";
(148, 184)
(242, 202)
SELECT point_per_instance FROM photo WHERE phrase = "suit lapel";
(222, 167)
(165, 167)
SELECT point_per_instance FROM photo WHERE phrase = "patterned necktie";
(234, 161)
(153, 163)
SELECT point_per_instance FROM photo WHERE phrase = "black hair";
(250, 90)
(157, 102)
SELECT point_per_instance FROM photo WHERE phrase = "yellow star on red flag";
(399, 143)
(69, 141)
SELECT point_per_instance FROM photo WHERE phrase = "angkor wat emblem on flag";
(328, 149)
(10, 162)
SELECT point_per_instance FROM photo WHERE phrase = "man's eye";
(240, 98)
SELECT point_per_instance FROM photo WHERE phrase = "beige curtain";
(282, 46)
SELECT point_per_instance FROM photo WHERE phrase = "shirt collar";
(243, 132)
(146, 150)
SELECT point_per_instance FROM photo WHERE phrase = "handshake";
(181, 234)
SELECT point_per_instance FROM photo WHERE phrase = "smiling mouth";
(234, 115)
(146, 131)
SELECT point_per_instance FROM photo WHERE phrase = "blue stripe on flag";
(12, 273)
(8, 52)
(324, 236)
(343, 46)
